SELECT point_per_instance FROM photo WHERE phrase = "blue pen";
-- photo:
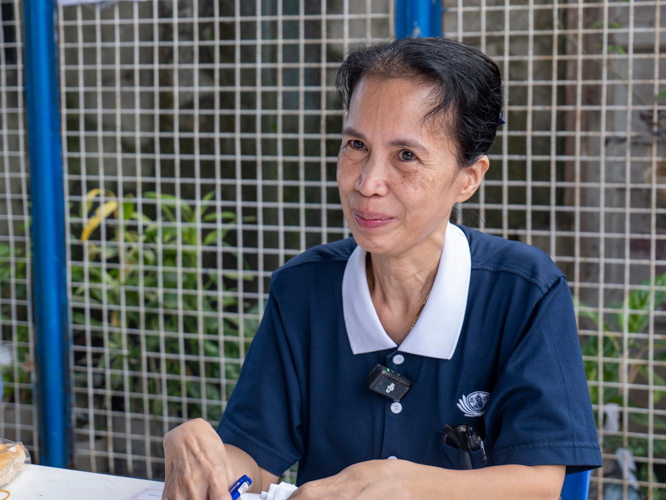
(240, 487)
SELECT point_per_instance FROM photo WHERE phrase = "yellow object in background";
(13, 459)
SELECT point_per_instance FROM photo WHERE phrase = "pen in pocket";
(467, 441)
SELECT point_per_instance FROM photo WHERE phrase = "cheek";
(346, 174)
(419, 188)
(427, 196)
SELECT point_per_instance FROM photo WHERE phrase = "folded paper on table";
(280, 491)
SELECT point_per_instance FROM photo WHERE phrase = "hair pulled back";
(467, 83)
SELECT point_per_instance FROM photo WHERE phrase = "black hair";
(468, 85)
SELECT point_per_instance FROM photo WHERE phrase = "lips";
(371, 220)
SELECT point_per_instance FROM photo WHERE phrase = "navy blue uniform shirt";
(496, 347)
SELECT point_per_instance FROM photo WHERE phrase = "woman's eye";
(406, 155)
(357, 144)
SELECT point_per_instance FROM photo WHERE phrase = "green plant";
(632, 314)
(13, 262)
(624, 360)
(152, 302)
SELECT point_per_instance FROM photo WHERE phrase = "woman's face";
(397, 173)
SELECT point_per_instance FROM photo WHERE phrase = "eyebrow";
(400, 143)
(407, 143)
(354, 132)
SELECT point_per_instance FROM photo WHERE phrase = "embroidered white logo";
(474, 405)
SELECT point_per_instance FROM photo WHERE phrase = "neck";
(403, 281)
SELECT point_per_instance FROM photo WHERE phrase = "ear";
(471, 177)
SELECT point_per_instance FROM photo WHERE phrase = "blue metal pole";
(436, 17)
(401, 19)
(48, 234)
(418, 18)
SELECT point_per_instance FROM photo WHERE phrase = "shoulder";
(319, 261)
(494, 254)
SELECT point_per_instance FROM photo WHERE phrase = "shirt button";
(396, 407)
(398, 359)
(393, 457)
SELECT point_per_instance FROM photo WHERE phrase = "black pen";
(467, 441)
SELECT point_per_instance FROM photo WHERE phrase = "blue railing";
(48, 235)
(419, 18)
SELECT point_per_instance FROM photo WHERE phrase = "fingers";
(316, 490)
(184, 481)
(196, 464)
(302, 493)
(218, 490)
(362, 481)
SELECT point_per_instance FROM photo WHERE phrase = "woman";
(482, 327)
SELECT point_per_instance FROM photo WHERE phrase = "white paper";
(148, 494)
(280, 491)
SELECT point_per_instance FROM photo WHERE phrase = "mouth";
(370, 220)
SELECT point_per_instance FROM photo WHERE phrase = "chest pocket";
(452, 459)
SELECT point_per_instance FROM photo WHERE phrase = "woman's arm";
(403, 480)
(198, 465)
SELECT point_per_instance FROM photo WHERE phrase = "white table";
(47, 483)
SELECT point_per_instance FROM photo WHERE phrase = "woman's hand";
(376, 479)
(197, 466)
(401, 480)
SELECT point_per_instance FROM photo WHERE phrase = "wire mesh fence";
(200, 143)
(18, 420)
(579, 172)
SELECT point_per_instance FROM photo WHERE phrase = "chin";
(377, 244)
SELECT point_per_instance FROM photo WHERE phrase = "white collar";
(436, 332)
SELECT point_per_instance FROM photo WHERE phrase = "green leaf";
(213, 393)
(141, 217)
(616, 48)
(586, 311)
(216, 216)
(168, 200)
(202, 208)
(79, 318)
(638, 304)
(658, 380)
(234, 275)
(128, 210)
(212, 238)
(611, 25)
(644, 420)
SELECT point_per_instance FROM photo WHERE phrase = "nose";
(373, 179)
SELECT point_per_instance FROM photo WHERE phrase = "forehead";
(395, 107)
(407, 97)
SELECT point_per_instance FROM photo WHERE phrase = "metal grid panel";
(165, 299)
(18, 418)
(579, 172)
(207, 132)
